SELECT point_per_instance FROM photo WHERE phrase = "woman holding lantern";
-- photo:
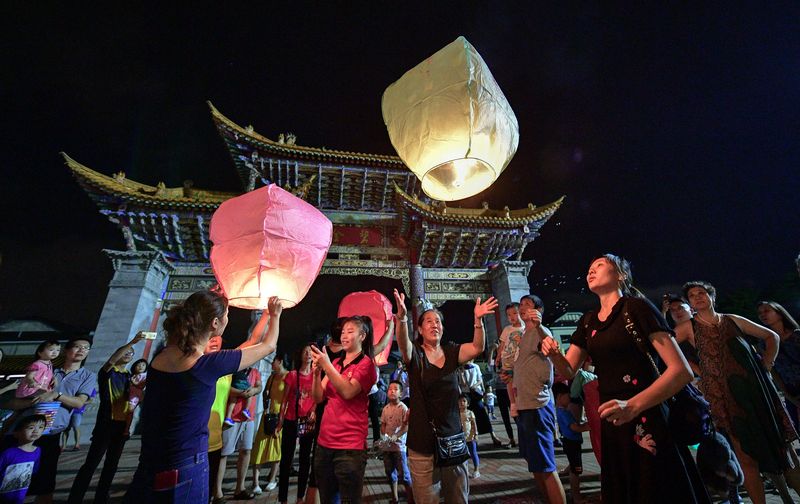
(173, 465)
(433, 377)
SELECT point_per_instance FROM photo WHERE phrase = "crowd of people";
(199, 404)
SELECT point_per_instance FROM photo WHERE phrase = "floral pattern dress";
(641, 462)
(744, 402)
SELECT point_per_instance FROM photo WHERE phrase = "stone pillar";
(133, 295)
(509, 281)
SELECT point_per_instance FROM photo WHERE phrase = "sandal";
(244, 495)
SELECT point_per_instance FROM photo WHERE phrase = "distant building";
(564, 326)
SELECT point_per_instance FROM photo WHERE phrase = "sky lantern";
(268, 242)
(450, 123)
(378, 308)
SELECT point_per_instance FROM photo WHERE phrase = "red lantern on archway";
(378, 308)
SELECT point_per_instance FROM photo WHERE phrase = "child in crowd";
(571, 438)
(239, 384)
(136, 390)
(508, 351)
(470, 427)
(394, 425)
(39, 375)
(489, 398)
(19, 462)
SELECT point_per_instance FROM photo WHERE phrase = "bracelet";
(404, 319)
(478, 326)
(58, 396)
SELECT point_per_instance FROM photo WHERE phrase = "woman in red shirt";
(341, 455)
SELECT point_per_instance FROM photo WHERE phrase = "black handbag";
(448, 450)
(689, 420)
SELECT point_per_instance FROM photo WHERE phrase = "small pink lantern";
(268, 242)
(378, 308)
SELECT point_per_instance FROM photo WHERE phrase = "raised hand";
(400, 301)
(274, 306)
(485, 308)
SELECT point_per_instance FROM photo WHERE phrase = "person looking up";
(74, 385)
(641, 462)
(536, 420)
(109, 434)
(173, 464)
(432, 370)
(507, 352)
(394, 426)
(39, 375)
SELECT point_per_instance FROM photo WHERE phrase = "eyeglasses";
(82, 347)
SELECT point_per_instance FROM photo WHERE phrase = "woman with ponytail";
(341, 452)
(641, 462)
(173, 464)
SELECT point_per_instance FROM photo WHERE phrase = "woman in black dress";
(641, 462)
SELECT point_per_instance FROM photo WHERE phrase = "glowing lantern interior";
(268, 242)
(450, 123)
(378, 308)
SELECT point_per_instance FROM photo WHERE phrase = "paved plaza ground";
(503, 480)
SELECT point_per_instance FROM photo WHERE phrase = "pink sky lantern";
(378, 308)
(268, 242)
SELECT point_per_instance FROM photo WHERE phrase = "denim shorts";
(536, 429)
(396, 467)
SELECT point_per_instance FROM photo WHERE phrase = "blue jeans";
(186, 482)
(340, 471)
(472, 447)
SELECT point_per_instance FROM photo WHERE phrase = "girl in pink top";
(341, 454)
(39, 375)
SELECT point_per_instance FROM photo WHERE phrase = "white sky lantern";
(450, 123)
(268, 242)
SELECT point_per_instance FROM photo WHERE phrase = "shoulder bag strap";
(269, 393)
(421, 364)
(638, 339)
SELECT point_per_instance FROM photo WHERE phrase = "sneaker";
(227, 423)
(256, 490)
(476, 474)
(272, 485)
(246, 414)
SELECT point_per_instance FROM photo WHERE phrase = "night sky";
(672, 131)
